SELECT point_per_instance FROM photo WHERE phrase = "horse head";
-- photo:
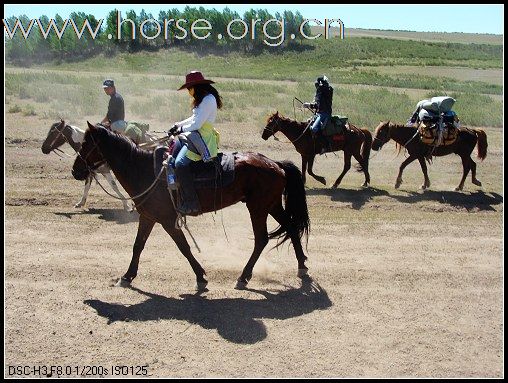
(272, 126)
(89, 156)
(381, 135)
(55, 137)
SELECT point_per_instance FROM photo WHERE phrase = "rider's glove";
(175, 130)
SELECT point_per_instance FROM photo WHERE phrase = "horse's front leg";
(180, 240)
(426, 182)
(88, 183)
(466, 167)
(311, 172)
(258, 218)
(145, 227)
(113, 185)
(347, 166)
(408, 160)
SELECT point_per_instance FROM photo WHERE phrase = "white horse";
(61, 133)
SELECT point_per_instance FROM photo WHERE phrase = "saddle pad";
(217, 173)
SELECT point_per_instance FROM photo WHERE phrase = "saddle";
(220, 172)
(430, 135)
(336, 126)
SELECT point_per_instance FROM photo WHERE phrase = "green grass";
(148, 83)
(153, 97)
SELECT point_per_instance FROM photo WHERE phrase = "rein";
(103, 161)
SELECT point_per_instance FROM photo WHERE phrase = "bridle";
(60, 133)
(291, 141)
(97, 164)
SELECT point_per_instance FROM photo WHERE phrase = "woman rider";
(205, 101)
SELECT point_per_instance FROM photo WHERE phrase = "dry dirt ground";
(403, 283)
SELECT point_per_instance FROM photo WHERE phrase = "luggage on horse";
(437, 123)
(136, 131)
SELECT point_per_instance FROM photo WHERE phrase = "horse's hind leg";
(258, 217)
(311, 172)
(304, 168)
(466, 166)
(184, 247)
(407, 161)
(88, 183)
(426, 182)
(473, 174)
(279, 214)
(358, 157)
(347, 166)
(145, 227)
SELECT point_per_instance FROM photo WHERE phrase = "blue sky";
(421, 18)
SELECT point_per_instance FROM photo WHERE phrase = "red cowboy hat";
(194, 78)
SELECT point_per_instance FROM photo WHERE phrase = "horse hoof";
(201, 286)
(302, 272)
(240, 285)
(122, 283)
(458, 188)
(78, 205)
(477, 183)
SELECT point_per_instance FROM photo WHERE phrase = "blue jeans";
(320, 122)
(181, 159)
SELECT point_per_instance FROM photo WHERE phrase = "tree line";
(48, 40)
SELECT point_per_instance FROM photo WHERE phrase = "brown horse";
(356, 143)
(259, 182)
(408, 137)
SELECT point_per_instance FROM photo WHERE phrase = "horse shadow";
(109, 215)
(357, 198)
(237, 320)
(474, 201)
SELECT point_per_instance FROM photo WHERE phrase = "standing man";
(116, 108)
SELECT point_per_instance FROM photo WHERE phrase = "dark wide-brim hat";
(194, 78)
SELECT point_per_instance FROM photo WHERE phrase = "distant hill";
(464, 38)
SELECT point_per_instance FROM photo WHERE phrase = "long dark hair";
(201, 90)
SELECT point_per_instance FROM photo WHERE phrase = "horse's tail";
(365, 153)
(296, 205)
(481, 144)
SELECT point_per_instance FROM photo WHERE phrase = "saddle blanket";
(218, 173)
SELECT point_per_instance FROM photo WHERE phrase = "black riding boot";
(189, 202)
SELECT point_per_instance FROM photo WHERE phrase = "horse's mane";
(127, 146)
(290, 122)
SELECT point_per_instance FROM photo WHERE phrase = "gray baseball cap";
(107, 83)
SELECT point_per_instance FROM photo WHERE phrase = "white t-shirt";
(204, 112)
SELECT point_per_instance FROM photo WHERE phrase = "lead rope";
(181, 221)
